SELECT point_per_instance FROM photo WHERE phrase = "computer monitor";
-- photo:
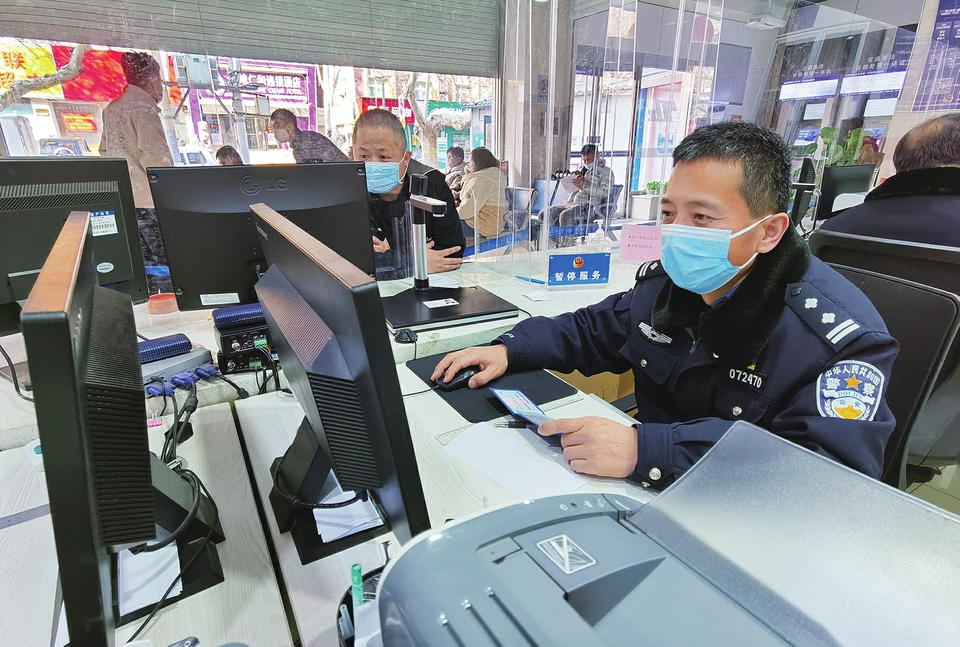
(327, 323)
(803, 187)
(212, 248)
(841, 179)
(37, 195)
(106, 490)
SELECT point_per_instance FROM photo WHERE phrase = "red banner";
(76, 122)
(404, 114)
(102, 78)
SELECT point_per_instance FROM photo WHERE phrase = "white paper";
(567, 183)
(441, 303)
(62, 638)
(436, 281)
(367, 625)
(537, 296)
(334, 523)
(142, 579)
(530, 467)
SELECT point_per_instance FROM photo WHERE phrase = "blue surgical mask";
(382, 176)
(695, 258)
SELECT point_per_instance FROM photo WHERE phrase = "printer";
(761, 543)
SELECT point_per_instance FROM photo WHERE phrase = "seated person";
(483, 201)
(594, 182)
(756, 331)
(455, 169)
(228, 156)
(921, 202)
(380, 141)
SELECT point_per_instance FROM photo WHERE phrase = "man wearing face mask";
(381, 143)
(307, 146)
(739, 323)
(132, 130)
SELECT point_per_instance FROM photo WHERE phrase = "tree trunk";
(66, 73)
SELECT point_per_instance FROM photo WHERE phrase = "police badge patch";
(850, 390)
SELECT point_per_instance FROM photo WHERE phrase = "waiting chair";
(516, 224)
(606, 211)
(925, 345)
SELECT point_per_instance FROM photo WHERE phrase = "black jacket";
(921, 206)
(387, 219)
(797, 349)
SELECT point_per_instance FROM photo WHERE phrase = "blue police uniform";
(796, 349)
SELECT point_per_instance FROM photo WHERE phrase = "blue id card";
(517, 403)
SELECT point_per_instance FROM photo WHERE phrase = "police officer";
(736, 322)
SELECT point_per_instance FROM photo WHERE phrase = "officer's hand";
(595, 445)
(492, 361)
(380, 245)
(438, 260)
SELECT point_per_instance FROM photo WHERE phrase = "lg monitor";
(37, 195)
(842, 179)
(327, 323)
(106, 491)
(212, 248)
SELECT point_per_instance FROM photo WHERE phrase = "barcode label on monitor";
(103, 223)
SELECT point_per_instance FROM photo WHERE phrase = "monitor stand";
(23, 374)
(435, 308)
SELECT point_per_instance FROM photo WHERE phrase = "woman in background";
(483, 202)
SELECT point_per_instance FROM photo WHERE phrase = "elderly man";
(738, 323)
(593, 181)
(921, 203)
(307, 146)
(381, 143)
(132, 130)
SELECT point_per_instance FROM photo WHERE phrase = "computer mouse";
(460, 379)
(405, 336)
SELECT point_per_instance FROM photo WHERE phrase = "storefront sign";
(76, 122)
(404, 113)
(816, 88)
(20, 62)
(939, 87)
(293, 86)
(578, 269)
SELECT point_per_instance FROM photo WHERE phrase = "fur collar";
(741, 326)
(943, 180)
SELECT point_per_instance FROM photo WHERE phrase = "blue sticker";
(850, 390)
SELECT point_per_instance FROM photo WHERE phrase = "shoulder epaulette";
(649, 269)
(837, 327)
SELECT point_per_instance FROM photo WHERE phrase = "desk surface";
(244, 609)
(451, 489)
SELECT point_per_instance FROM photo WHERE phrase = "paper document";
(436, 281)
(518, 459)
(142, 579)
(334, 523)
(567, 183)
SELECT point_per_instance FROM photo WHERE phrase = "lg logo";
(251, 184)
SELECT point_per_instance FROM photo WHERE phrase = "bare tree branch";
(69, 71)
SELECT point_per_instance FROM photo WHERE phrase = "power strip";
(167, 368)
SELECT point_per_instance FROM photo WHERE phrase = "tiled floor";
(943, 490)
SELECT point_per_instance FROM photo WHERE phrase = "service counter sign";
(939, 87)
(578, 269)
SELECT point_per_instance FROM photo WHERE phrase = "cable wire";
(13, 376)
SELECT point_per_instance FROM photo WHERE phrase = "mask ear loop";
(743, 231)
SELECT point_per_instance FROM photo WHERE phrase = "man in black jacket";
(921, 203)
(381, 143)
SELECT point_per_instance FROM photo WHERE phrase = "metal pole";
(239, 120)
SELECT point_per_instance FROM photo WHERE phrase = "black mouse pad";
(479, 405)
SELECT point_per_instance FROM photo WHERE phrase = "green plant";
(655, 186)
(841, 153)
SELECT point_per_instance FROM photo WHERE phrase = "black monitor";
(106, 490)
(37, 195)
(841, 179)
(326, 320)
(212, 249)
(803, 187)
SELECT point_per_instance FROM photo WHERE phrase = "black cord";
(200, 549)
(298, 503)
(188, 408)
(165, 452)
(190, 478)
(273, 366)
(142, 337)
(13, 376)
(525, 312)
(242, 392)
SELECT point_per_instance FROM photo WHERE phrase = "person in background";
(593, 181)
(132, 130)
(735, 322)
(921, 202)
(307, 146)
(228, 156)
(483, 201)
(380, 141)
(455, 169)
